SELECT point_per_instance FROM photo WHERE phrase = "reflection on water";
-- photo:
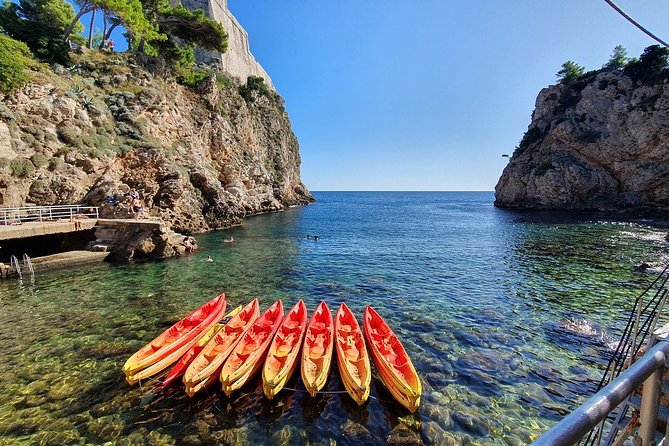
(507, 316)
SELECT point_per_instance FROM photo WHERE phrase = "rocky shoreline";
(201, 160)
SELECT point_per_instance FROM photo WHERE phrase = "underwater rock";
(437, 345)
(283, 437)
(480, 382)
(513, 441)
(107, 349)
(438, 380)
(357, 433)
(436, 435)
(438, 398)
(203, 428)
(467, 338)
(401, 435)
(471, 424)
(487, 360)
(106, 428)
(438, 414)
(192, 439)
(237, 436)
(58, 438)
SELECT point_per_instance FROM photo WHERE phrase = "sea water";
(508, 316)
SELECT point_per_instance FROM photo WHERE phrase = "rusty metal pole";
(650, 399)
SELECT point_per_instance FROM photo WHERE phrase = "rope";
(635, 23)
(323, 392)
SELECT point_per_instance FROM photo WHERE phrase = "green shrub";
(192, 77)
(223, 81)
(56, 163)
(532, 135)
(21, 167)
(618, 59)
(68, 136)
(5, 112)
(97, 145)
(651, 67)
(570, 71)
(15, 59)
(39, 160)
(257, 84)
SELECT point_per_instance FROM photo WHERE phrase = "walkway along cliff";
(599, 142)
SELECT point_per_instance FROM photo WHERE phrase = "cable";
(635, 23)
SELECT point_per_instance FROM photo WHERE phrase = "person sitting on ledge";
(189, 244)
(137, 209)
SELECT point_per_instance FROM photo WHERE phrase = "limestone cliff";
(600, 143)
(201, 159)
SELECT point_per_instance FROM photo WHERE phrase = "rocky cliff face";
(601, 143)
(201, 160)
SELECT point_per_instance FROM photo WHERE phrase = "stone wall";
(237, 60)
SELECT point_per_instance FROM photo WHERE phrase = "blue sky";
(425, 94)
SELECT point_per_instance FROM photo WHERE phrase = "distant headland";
(597, 141)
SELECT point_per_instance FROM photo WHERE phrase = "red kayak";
(180, 368)
(249, 353)
(206, 367)
(284, 351)
(317, 349)
(169, 346)
(391, 360)
(352, 357)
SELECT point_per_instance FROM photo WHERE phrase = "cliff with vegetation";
(201, 156)
(597, 140)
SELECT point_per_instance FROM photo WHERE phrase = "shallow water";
(506, 316)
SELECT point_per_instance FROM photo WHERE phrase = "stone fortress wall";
(237, 60)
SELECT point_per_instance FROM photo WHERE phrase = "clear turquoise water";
(485, 300)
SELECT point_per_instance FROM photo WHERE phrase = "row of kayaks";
(233, 350)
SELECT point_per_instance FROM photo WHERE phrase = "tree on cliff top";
(570, 71)
(127, 12)
(651, 66)
(618, 59)
(40, 24)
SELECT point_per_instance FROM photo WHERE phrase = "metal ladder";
(28, 266)
(17, 267)
(636, 338)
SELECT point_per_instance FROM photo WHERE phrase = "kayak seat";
(352, 353)
(316, 351)
(292, 325)
(248, 349)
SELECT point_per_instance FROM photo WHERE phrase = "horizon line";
(418, 191)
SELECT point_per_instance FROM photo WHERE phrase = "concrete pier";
(37, 228)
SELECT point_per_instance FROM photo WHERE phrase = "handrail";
(15, 264)
(574, 426)
(18, 215)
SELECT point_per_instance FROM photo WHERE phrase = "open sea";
(508, 316)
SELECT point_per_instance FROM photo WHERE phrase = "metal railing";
(18, 215)
(647, 370)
